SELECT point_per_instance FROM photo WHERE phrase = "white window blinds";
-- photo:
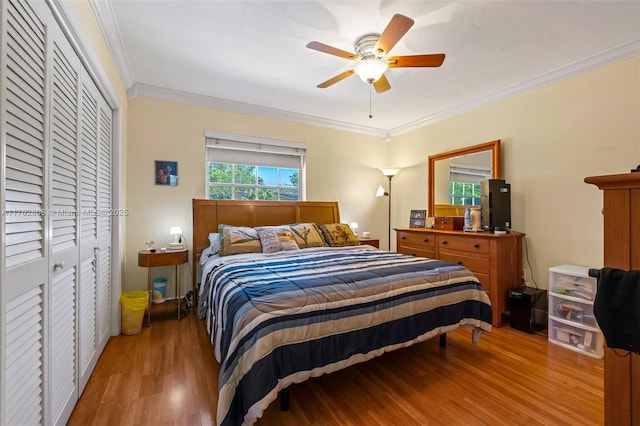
(254, 151)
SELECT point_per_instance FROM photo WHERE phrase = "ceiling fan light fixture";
(371, 69)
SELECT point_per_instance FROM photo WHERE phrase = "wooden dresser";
(495, 259)
(621, 250)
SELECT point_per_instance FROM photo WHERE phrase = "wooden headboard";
(208, 214)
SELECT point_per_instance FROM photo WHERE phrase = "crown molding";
(619, 53)
(106, 18)
(149, 91)
(616, 54)
(111, 32)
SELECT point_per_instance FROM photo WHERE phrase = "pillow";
(238, 239)
(276, 238)
(214, 242)
(307, 235)
(339, 235)
(206, 255)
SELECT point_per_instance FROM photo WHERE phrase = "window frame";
(252, 148)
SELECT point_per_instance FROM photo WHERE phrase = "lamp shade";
(176, 231)
(380, 192)
(390, 172)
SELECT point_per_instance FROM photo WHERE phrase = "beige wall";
(341, 166)
(552, 138)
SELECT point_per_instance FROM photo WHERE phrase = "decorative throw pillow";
(339, 235)
(214, 242)
(307, 235)
(238, 239)
(276, 238)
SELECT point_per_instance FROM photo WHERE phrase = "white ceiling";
(250, 56)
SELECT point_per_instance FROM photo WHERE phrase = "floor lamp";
(390, 173)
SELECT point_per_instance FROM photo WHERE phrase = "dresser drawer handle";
(459, 262)
(426, 240)
(444, 243)
(403, 238)
(476, 245)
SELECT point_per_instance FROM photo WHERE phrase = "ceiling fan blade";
(416, 61)
(325, 48)
(335, 79)
(397, 27)
(381, 84)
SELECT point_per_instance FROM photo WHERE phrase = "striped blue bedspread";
(279, 319)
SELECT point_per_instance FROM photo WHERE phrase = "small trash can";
(133, 304)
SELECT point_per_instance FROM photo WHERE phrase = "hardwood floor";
(167, 375)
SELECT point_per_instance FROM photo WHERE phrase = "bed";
(279, 318)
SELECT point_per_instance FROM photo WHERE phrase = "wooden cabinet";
(495, 259)
(621, 250)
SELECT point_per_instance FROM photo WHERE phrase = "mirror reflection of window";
(458, 178)
(464, 182)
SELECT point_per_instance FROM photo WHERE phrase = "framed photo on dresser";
(418, 219)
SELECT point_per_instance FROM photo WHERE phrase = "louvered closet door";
(25, 256)
(89, 242)
(104, 219)
(63, 207)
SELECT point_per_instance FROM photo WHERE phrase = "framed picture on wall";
(166, 173)
(418, 219)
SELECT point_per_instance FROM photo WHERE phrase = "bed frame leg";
(443, 340)
(284, 399)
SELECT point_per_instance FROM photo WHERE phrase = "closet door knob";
(58, 265)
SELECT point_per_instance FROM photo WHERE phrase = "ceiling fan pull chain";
(370, 90)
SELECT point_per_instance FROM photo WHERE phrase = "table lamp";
(176, 231)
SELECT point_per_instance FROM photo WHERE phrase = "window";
(244, 168)
(464, 185)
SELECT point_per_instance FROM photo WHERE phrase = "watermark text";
(66, 212)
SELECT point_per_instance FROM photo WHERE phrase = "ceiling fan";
(371, 49)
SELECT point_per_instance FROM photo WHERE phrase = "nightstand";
(163, 258)
(370, 241)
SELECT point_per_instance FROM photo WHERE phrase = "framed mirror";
(454, 169)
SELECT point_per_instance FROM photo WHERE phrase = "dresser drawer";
(469, 244)
(449, 223)
(416, 238)
(417, 251)
(473, 263)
